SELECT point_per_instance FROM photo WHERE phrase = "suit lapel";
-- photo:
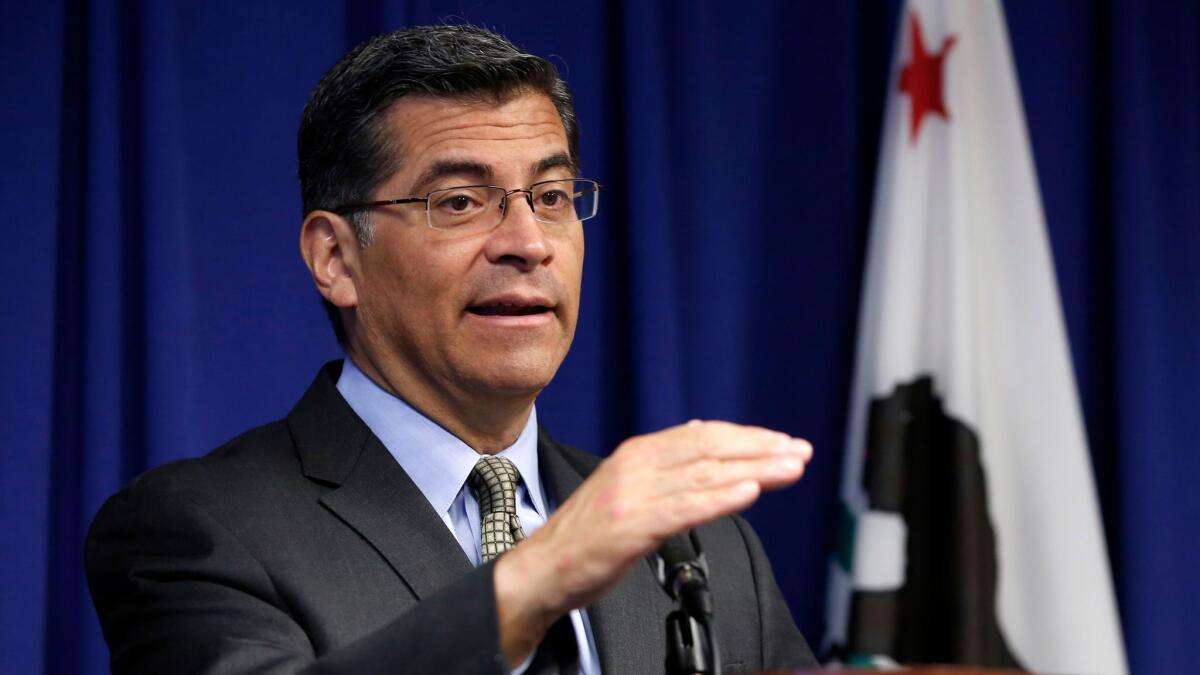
(376, 498)
(382, 504)
(373, 495)
(629, 630)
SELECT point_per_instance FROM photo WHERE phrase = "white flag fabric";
(972, 530)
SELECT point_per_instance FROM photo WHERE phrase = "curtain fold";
(1155, 177)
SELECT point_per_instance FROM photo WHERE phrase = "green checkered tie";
(494, 482)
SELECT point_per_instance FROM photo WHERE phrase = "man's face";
(490, 313)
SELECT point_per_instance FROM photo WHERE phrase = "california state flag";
(971, 530)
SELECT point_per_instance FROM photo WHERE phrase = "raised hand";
(652, 487)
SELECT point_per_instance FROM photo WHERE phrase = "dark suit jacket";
(303, 544)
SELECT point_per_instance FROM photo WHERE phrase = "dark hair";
(344, 145)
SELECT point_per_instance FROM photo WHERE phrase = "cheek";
(394, 289)
(425, 301)
(574, 276)
(410, 270)
(431, 288)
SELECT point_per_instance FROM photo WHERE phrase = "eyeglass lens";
(483, 207)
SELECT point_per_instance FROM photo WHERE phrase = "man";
(444, 232)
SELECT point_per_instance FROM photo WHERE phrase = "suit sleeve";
(176, 592)
(782, 644)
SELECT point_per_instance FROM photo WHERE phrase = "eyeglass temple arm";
(347, 208)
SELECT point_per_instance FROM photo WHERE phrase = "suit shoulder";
(233, 472)
(259, 448)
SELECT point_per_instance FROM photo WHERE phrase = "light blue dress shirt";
(439, 463)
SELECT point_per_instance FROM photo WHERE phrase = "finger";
(724, 440)
(689, 509)
(770, 472)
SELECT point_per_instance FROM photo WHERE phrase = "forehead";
(518, 130)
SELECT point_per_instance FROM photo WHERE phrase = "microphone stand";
(691, 639)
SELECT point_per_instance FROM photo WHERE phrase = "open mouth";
(507, 309)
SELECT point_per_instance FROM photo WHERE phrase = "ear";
(330, 249)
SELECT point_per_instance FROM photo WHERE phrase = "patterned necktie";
(494, 482)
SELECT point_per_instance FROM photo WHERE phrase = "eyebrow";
(483, 172)
(558, 160)
(476, 170)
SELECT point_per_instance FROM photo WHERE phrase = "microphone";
(682, 570)
(683, 573)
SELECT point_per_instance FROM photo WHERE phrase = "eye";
(458, 201)
(552, 198)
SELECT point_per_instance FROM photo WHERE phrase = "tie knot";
(494, 482)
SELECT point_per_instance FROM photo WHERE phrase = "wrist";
(525, 606)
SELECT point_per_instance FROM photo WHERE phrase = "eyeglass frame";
(347, 209)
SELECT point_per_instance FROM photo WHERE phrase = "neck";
(486, 423)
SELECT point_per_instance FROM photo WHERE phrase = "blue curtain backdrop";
(157, 304)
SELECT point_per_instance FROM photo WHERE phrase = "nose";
(519, 240)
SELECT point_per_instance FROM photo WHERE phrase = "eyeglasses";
(479, 208)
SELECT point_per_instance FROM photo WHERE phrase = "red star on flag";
(921, 77)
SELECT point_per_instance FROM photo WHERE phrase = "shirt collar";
(436, 460)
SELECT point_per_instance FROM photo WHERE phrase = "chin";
(514, 377)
